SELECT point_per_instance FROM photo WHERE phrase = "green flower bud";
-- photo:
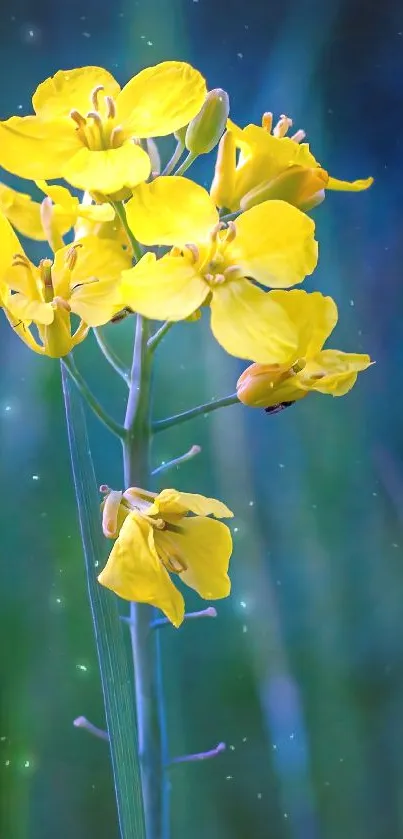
(180, 134)
(207, 127)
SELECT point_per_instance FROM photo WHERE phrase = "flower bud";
(180, 134)
(207, 127)
(296, 185)
(266, 385)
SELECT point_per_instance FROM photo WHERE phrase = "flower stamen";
(194, 252)
(110, 107)
(94, 96)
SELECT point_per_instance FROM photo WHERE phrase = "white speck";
(86, 34)
(341, 759)
(251, 503)
(351, 302)
(35, 477)
(7, 763)
(375, 494)
(244, 629)
(236, 529)
(31, 33)
(314, 506)
(292, 736)
(244, 739)
(82, 667)
(7, 409)
(286, 815)
(232, 748)
(281, 465)
(19, 107)
(274, 747)
(58, 600)
(150, 44)
(27, 764)
(96, 563)
(259, 795)
(3, 739)
(228, 777)
(327, 783)
(240, 54)
(83, 17)
(142, 37)
(242, 603)
(395, 545)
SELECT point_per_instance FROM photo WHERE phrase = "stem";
(149, 702)
(159, 335)
(113, 426)
(186, 163)
(120, 211)
(174, 159)
(111, 356)
(177, 461)
(161, 425)
(230, 216)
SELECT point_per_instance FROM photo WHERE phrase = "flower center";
(281, 128)
(211, 260)
(99, 130)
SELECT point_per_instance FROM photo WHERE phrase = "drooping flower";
(313, 368)
(86, 129)
(271, 165)
(156, 537)
(273, 244)
(82, 280)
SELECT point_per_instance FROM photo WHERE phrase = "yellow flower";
(271, 166)
(63, 211)
(86, 129)
(83, 280)
(155, 537)
(273, 244)
(313, 369)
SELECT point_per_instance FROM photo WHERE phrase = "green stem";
(174, 159)
(136, 447)
(159, 335)
(161, 425)
(186, 163)
(230, 216)
(120, 211)
(113, 426)
(111, 356)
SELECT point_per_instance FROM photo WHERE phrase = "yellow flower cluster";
(160, 245)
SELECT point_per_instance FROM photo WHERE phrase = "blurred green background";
(301, 674)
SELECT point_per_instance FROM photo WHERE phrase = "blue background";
(301, 674)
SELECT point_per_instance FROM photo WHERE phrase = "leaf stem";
(120, 211)
(159, 335)
(113, 426)
(111, 356)
(186, 163)
(176, 419)
(174, 159)
(177, 461)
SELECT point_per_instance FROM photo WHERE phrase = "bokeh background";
(301, 674)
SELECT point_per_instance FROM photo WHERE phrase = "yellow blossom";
(273, 244)
(313, 368)
(82, 280)
(271, 166)
(156, 537)
(87, 130)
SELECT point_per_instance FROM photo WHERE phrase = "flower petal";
(34, 149)
(9, 245)
(171, 211)
(24, 308)
(97, 302)
(161, 99)
(173, 502)
(313, 315)
(23, 213)
(107, 171)
(265, 385)
(135, 572)
(101, 259)
(248, 323)
(205, 546)
(333, 372)
(349, 186)
(71, 90)
(274, 244)
(163, 289)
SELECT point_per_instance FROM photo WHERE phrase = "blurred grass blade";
(117, 684)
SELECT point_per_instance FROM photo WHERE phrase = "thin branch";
(120, 211)
(193, 451)
(186, 163)
(230, 216)
(210, 612)
(161, 425)
(92, 401)
(159, 335)
(198, 756)
(82, 722)
(111, 356)
(174, 159)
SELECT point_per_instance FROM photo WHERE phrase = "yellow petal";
(333, 372)
(249, 324)
(266, 385)
(97, 302)
(223, 184)
(36, 150)
(70, 90)
(161, 99)
(56, 337)
(349, 186)
(171, 211)
(103, 259)
(24, 308)
(107, 171)
(313, 315)
(23, 213)
(59, 195)
(98, 213)
(9, 245)
(173, 502)
(205, 546)
(135, 572)
(274, 244)
(163, 289)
